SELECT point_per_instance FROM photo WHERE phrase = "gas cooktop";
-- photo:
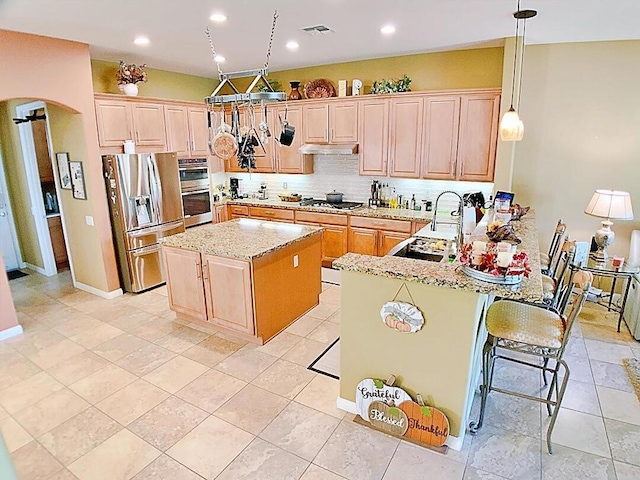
(312, 202)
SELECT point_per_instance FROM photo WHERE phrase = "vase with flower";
(128, 77)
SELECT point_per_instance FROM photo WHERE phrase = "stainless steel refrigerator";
(146, 205)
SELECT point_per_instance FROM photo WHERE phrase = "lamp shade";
(511, 127)
(610, 204)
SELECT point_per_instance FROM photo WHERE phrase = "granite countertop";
(243, 239)
(450, 275)
(389, 213)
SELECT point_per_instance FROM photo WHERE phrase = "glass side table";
(623, 273)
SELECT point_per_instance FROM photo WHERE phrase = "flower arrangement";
(131, 73)
(391, 86)
(487, 261)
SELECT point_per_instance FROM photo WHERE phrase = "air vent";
(316, 30)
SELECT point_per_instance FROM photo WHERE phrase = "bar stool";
(533, 329)
(553, 287)
(547, 259)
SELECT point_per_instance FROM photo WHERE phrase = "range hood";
(328, 148)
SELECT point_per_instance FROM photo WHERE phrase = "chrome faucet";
(458, 213)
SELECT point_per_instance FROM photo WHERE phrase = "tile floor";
(119, 389)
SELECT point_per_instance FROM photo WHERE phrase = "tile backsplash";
(340, 173)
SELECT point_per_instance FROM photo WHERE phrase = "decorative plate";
(402, 317)
(320, 88)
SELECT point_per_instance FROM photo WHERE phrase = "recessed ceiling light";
(218, 17)
(219, 59)
(388, 29)
(141, 40)
(292, 45)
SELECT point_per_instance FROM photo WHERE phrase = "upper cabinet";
(315, 118)
(330, 122)
(440, 137)
(288, 160)
(115, 122)
(187, 132)
(198, 131)
(405, 137)
(373, 115)
(148, 124)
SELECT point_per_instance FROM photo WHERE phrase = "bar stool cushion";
(548, 287)
(524, 323)
(544, 260)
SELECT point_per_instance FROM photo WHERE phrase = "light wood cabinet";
(373, 132)
(405, 137)
(363, 241)
(183, 272)
(237, 211)
(57, 240)
(440, 137)
(388, 240)
(221, 214)
(198, 131)
(315, 119)
(227, 286)
(343, 121)
(288, 160)
(276, 214)
(335, 235)
(115, 122)
(149, 125)
(373, 236)
(177, 123)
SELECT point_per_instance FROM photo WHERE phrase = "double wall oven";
(196, 194)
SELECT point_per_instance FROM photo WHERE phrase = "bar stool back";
(547, 259)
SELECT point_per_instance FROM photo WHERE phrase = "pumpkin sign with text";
(388, 418)
(370, 390)
(425, 424)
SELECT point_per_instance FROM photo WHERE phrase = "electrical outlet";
(284, 185)
(295, 261)
(89, 220)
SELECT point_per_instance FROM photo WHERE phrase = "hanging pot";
(288, 131)
(334, 197)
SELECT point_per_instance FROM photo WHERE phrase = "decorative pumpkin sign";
(387, 418)
(370, 390)
(401, 316)
(425, 424)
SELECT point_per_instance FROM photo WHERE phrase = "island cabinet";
(333, 122)
(374, 236)
(373, 132)
(187, 132)
(334, 236)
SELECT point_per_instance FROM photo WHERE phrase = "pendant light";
(511, 127)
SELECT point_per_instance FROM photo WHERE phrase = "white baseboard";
(40, 270)
(11, 332)
(452, 442)
(95, 291)
(330, 275)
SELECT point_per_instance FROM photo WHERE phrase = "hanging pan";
(224, 144)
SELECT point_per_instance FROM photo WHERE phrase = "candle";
(504, 259)
(504, 247)
(479, 246)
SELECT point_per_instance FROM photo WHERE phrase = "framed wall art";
(63, 170)
(77, 180)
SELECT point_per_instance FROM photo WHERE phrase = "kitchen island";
(249, 277)
(441, 361)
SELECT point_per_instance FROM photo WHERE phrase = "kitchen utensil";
(288, 131)
(320, 88)
(264, 126)
(224, 144)
(334, 197)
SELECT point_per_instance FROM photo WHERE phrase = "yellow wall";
(159, 84)
(581, 111)
(17, 183)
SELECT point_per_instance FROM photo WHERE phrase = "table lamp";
(609, 204)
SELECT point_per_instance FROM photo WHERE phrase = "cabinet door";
(440, 137)
(315, 120)
(288, 160)
(265, 161)
(388, 240)
(222, 213)
(198, 132)
(227, 285)
(115, 123)
(373, 133)
(478, 137)
(183, 273)
(418, 226)
(334, 242)
(363, 240)
(177, 129)
(343, 121)
(148, 120)
(406, 137)
(57, 240)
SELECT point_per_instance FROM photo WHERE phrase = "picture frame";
(63, 170)
(77, 180)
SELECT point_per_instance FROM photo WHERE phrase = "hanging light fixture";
(511, 127)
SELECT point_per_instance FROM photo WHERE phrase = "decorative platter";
(320, 88)
(488, 277)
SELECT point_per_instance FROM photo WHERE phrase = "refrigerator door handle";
(156, 188)
(145, 250)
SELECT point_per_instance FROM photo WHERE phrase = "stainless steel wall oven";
(196, 196)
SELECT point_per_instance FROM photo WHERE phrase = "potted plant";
(128, 76)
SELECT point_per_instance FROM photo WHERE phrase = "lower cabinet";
(220, 214)
(372, 236)
(183, 273)
(237, 211)
(363, 241)
(57, 241)
(334, 235)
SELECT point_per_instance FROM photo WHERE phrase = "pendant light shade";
(511, 127)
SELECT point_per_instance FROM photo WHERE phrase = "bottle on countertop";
(412, 203)
(452, 251)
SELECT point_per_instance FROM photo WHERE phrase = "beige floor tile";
(145, 360)
(29, 391)
(77, 297)
(30, 344)
(153, 329)
(314, 472)
(471, 473)
(211, 390)
(305, 352)
(166, 468)
(303, 326)
(94, 305)
(335, 318)
(78, 367)
(56, 354)
(300, 430)
(579, 431)
(607, 352)
(181, 338)
(582, 397)
(123, 316)
(624, 439)
(93, 337)
(132, 401)
(624, 471)
(410, 462)
(580, 368)
(165, 424)
(101, 384)
(358, 452)
(576, 347)
(14, 435)
(331, 296)
(64, 474)
(619, 405)
(321, 393)
(33, 462)
(120, 346)
(326, 332)
(280, 344)
(567, 463)
(323, 311)
(175, 374)
(119, 458)
(271, 463)
(611, 375)
(50, 412)
(13, 372)
(514, 414)
(195, 449)
(264, 407)
(76, 324)
(284, 378)
(212, 350)
(79, 435)
(246, 364)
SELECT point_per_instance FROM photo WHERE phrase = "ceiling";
(178, 42)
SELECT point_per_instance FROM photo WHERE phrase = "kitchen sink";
(417, 249)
